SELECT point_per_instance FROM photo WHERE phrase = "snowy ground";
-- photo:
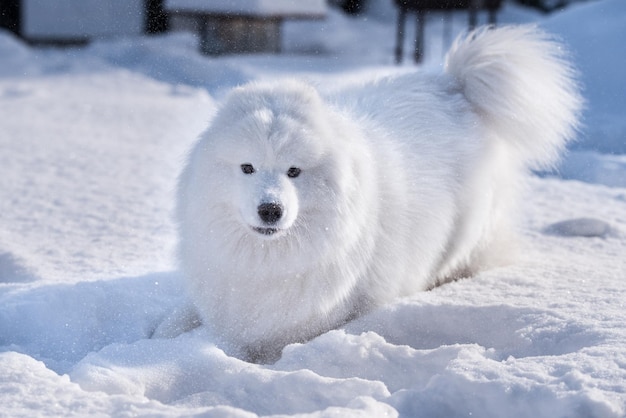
(91, 143)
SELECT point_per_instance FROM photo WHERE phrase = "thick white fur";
(406, 182)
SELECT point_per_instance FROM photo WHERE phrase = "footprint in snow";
(579, 227)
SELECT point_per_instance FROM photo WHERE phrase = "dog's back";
(507, 103)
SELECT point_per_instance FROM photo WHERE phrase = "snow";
(92, 141)
(589, 29)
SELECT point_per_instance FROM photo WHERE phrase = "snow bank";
(595, 32)
(92, 141)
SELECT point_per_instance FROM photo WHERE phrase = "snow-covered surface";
(254, 7)
(592, 40)
(91, 143)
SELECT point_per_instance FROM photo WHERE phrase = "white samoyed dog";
(299, 211)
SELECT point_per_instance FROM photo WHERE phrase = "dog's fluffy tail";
(520, 82)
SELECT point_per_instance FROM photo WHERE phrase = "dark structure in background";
(222, 28)
(352, 7)
(157, 20)
(10, 15)
(422, 7)
(243, 34)
(222, 33)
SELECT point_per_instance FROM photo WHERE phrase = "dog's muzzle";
(269, 213)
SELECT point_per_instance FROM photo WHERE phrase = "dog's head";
(272, 162)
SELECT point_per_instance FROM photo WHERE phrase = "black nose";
(270, 212)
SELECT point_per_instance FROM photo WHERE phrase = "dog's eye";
(247, 168)
(293, 172)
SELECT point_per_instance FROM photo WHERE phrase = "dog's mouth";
(266, 231)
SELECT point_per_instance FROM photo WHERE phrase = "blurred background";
(78, 21)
